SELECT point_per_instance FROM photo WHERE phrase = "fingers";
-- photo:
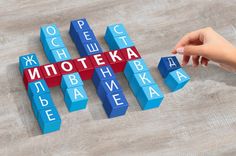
(204, 61)
(195, 60)
(185, 60)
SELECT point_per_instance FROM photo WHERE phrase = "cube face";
(70, 81)
(99, 60)
(115, 104)
(51, 74)
(140, 80)
(37, 88)
(59, 55)
(167, 65)
(101, 74)
(75, 98)
(130, 53)
(123, 42)
(48, 31)
(176, 79)
(134, 67)
(32, 74)
(28, 61)
(84, 67)
(66, 67)
(49, 120)
(116, 60)
(54, 43)
(116, 30)
(86, 36)
(41, 102)
(79, 25)
(150, 97)
(91, 48)
(108, 86)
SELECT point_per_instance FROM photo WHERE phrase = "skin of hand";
(204, 45)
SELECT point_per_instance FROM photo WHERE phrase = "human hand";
(204, 45)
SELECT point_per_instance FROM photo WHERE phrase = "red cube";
(84, 67)
(51, 74)
(66, 67)
(116, 60)
(130, 53)
(99, 60)
(32, 74)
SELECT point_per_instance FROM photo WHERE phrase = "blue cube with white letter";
(40, 102)
(140, 80)
(49, 120)
(167, 65)
(115, 104)
(37, 88)
(150, 97)
(58, 55)
(176, 79)
(75, 98)
(28, 61)
(71, 81)
(48, 31)
(134, 67)
(102, 73)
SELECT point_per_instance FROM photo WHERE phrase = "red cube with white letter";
(130, 53)
(116, 60)
(66, 67)
(32, 74)
(84, 67)
(51, 74)
(99, 60)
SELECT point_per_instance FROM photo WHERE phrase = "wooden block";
(32, 74)
(66, 67)
(84, 67)
(116, 60)
(51, 74)
(167, 65)
(150, 97)
(75, 98)
(130, 53)
(176, 79)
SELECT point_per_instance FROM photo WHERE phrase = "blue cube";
(79, 25)
(59, 55)
(48, 31)
(75, 98)
(28, 61)
(115, 104)
(134, 67)
(86, 36)
(123, 42)
(37, 88)
(101, 74)
(176, 79)
(140, 80)
(90, 48)
(115, 30)
(49, 120)
(108, 86)
(167, 65)
(71, 80)
(150, 97)
(53, 43)
(40, 102)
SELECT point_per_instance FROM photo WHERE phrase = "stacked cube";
(39, 94)
(117, 37)
(75, 96)
(53, 44)
(136, 72)
(174, 76)
(107, 86)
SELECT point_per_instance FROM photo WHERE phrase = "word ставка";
(96, 65)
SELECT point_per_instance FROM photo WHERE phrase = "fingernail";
(180, 50)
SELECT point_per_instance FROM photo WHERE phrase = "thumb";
(191, 50)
